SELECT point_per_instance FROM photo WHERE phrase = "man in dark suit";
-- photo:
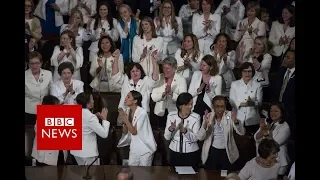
(284, 87)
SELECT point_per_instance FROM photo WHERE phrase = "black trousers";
(185, 159)
(218, 160)
(30, 119)
(60, 160)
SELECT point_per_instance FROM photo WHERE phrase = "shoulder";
(77, 82)
(36, 20)
(216, 78)
(196, 117)
(267, 56)
(46, 73)
(235, 83)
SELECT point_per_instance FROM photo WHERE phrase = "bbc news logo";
(59, 127)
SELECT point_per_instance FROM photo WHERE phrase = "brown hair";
(153, 29)
(211, 61)
(80, 14)
(255, 6)
(71, 36)
(174, 23)
(195, 49)
(32, 8)
(35, 54)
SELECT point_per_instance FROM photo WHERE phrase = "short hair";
(35, 54)
(112, 48)
(50, 100)
(283, 111)
(267, 147)
(170, 61)
(183, 99)
(219, 98)
(255, 6)
(246, 65)
(65, 65)
(83, 99)
(126, 170)
(138, 66)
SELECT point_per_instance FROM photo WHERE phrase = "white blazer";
(276, 33)
(225, 70)
(124, 35)
(143, 142)
(237, 11)
(92, 4)
(280, 134)
(292, 172)
(34, 91)
(187, 73)
(205, 39)
(246, 38)
(239, 93)
(90, 128)
(105, 86)
(95, 34)
(215, 87)
(82, 34)
(228, 126)
(137, 49)
(49, 157)
(144, 86)
(40, 10)
(171, 39)
(77, 63)
(190, 139)
(178, 86)
(58, 89)
(262, 74)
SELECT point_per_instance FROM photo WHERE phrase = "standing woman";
(32, 23)
(188, 57)
(169, 27)
(103, 24)
(67, 52)
(246, 98)
(205, 85)
(37, 85)
(181, 130)
(137, 131)
(206, 25)
(48, 157)
(66, 89)
(146, 45)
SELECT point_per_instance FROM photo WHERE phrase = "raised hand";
(173, 126)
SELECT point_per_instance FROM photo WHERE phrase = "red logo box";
(59, 127)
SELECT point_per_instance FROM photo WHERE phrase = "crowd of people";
(211, 70)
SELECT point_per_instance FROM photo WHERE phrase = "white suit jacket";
(105, 86)
(205, 38)
(280, 134)
(215, 87)
(36, 90)
(82, 34)
(90, 128)
(77, 63)
(239, 93)
(58, 89)
(137, 49)
(40, 10)
(228, 126)
(262, 74)
(49, 157)
(143, 142)
(275, 33)
(190, 139)
(237, 11)
(178, 86)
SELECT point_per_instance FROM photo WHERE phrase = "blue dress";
(48, 26)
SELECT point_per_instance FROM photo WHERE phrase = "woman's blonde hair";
(73, 12)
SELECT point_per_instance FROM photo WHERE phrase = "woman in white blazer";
(50, 13)
(136, 79)
(205, 85)
(246, 98)
(231, 11)
(90, 129)
(88, 8)
(169, 27)
(281, 34)
(66, 89)
(206, 25)
(103, 24)
(101, 66)
(171, 84)
(48, 157)
(219, 149)
(225, 58)
(137, 131)
(276, 127)
(181, 130)
(67, 52)
(146, 44)
(188, 57)
(261, 60)
(37, 85)
(76, 26)
(249, 28)
(32, 23)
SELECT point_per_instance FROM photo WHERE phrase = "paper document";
(185, 170)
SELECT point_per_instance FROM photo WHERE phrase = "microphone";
(87, 176)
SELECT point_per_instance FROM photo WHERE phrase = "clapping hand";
(181, 127)
(206, 118)
(104, 113)
(250, 102)
(144, 53)
(201, 87)
(173, 126)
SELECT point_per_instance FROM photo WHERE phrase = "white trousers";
(140, 160)
(87, 160)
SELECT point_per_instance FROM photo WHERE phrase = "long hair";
(173, 21)
(195, 49)
(98, 17)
